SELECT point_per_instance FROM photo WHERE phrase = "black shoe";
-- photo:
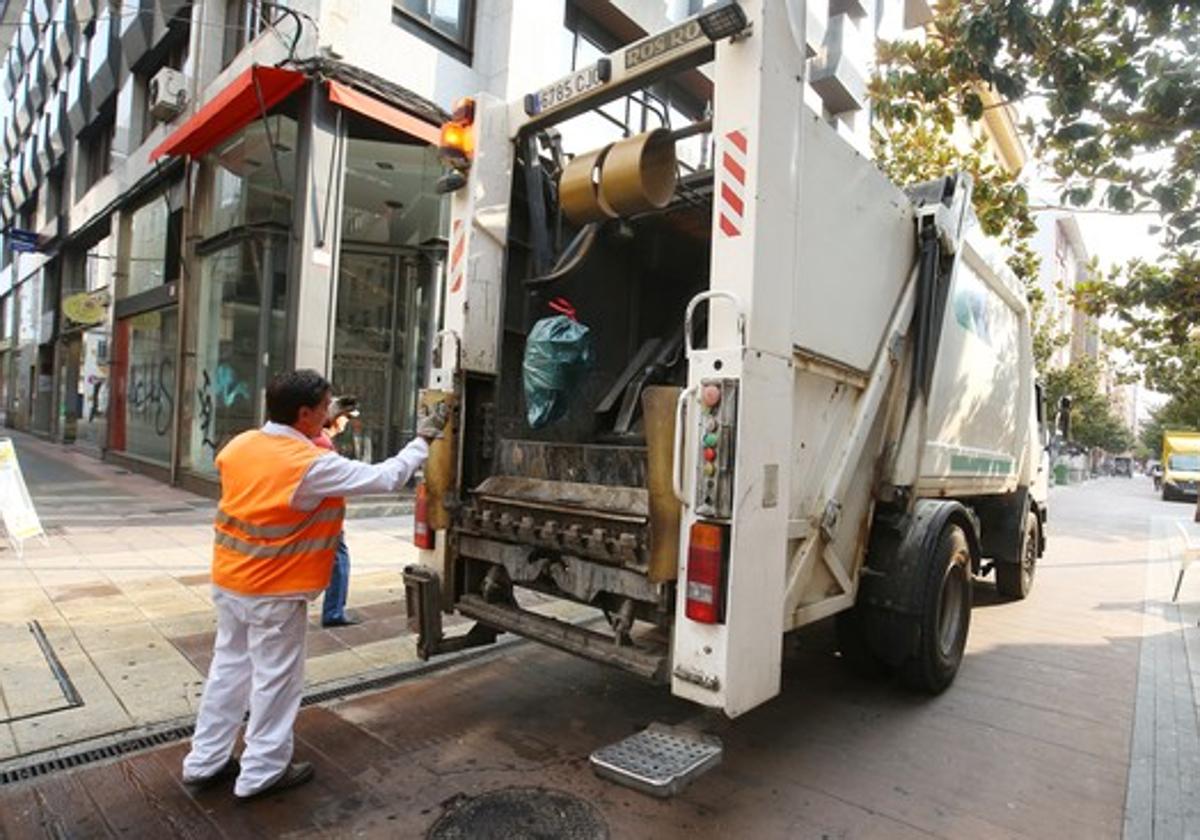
(344, 621)
(225, 774)
(294, 776)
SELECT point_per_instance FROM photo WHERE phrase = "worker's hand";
(431, 422)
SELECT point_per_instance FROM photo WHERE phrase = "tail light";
(457, 145)
(422, 533)
(706, 573)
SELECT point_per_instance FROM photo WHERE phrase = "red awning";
(382, 112)
(244, 100)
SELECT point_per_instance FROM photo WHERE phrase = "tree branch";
(1046, 208)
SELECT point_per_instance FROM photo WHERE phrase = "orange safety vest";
(264, 546)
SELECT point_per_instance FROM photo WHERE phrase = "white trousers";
(257, 665)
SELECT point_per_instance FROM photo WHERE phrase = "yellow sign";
(16, 508)
(86, 308)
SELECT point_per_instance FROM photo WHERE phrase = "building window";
(54, 191)
(244, 20)
(447, 24)
(96, 148)
(252, 177)
(146, 262)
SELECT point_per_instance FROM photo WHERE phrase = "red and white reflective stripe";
(731, 204)
(458, 244)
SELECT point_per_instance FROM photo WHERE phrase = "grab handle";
(711, 295)
(680, 437)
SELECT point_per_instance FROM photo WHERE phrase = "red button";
(712, 395)
(710, 454)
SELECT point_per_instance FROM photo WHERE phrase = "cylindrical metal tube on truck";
(578, 189)
(638, 173)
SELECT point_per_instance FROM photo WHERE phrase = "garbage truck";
(808, 392)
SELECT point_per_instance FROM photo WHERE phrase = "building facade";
(1064, 264)
(199, 194)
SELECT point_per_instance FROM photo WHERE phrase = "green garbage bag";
(558, 352)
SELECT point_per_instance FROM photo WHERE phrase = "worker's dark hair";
(288, 392)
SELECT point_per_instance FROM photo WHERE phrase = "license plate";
(569, 88)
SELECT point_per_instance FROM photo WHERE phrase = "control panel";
(717, 434)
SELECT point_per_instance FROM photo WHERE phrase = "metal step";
(660, 760)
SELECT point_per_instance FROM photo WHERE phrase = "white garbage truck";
(807, 392)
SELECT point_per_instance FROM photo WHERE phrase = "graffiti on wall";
(220, 390)
(150, 397)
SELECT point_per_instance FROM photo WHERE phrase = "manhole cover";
(520, 814)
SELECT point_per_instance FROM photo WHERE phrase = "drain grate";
(519, 813)
(67, 762)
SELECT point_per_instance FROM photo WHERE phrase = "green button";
(710, 440)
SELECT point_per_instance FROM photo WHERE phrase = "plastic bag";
(558, 352)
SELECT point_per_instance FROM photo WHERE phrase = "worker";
(333, 605)
(277, 526)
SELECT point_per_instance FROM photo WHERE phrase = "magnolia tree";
(1112, 93)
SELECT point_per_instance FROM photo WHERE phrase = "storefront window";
(147, 259)
(92, 427)
(253, 176)
(101, 264)
(241, 335)
(147, 343)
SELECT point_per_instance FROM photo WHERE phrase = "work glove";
(432, 421)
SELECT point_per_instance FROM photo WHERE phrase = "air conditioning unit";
(168, 94)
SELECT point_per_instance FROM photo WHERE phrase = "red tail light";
(422, 533)
(706, 573)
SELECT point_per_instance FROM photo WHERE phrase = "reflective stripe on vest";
(267, 552)
(270, 532)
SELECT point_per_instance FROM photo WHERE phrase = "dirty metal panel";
(629, 502)
(613, 466)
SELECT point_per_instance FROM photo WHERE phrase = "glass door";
(366, 303)
(379, 346)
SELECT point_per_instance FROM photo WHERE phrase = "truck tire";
(945, 615)
(1167, 495)
(853, 643)
(1015, 580)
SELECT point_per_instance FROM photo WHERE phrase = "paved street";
(1074, 715)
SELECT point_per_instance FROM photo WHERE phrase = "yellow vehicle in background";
(1181, 466)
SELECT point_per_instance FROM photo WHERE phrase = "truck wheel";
(1014, 580)
(945, 614)
(1167, 495)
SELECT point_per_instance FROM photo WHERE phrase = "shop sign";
(23, 241)
(86, 308)
(16, 507)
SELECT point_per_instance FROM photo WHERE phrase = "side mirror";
(1063, 421)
